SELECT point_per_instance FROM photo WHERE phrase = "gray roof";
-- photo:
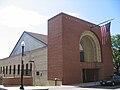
(40, 37)
(32, 41)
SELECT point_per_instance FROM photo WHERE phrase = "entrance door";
(90, 75)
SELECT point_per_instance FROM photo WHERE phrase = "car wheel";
(103, 83)
(113, 83)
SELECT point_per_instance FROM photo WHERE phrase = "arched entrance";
(89, 44)
(90, 52)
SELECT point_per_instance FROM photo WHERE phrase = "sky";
(17, 16)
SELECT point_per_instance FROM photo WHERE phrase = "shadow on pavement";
(2, 89)
(102, 87)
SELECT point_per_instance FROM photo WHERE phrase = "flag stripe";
(105, 29)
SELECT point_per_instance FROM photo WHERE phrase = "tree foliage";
(115, 39)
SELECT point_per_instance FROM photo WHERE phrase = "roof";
(29, 37)
(40, 37)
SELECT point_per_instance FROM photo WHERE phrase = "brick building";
(72, 53)
(75, 51)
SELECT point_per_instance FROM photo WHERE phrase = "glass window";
(3, 70)
(6, 69)
(37, 73)
(14, 69)
(30, 68)
(26, 69)
(18, 69)
(81, 54)
(10, 70)
(0, 69)
(89, 47)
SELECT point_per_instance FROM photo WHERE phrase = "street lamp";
(23, 46)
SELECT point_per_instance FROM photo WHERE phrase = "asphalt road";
(99, 87)
(104, 87)
(96, 87)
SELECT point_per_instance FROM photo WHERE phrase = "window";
(26, 69)
(81, 54)
(37, 73)
(30, 68)
(91, 51)
(3, 70)
(14, 70)
(18, 69)
(0, 70)
(10, 70)
(6, 69)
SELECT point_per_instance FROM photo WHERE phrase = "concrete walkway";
(49, 87)
(25, 88)
(87, 84)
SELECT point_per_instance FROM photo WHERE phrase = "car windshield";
(116, 77)
(112, 77)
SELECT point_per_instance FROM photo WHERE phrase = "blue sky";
(17, 16)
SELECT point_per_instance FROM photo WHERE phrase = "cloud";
(15, 17)
(15, 20)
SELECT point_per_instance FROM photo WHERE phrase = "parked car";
(111, 80)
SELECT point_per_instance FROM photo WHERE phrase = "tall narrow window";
(6, 69)
(26, 69)
(14, 70)
(10, 69)
(0, 70)
(18, 69)
(81, 54)
(3, 70)
(31, 69)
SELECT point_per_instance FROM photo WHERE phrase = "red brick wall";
(72, 30)
(55, 58)
(17, 81)
(64, 33)
(107, 58)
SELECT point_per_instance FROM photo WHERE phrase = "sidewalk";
(47, 87)
(88, 84)
(25, 88)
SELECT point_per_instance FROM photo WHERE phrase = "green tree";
(116, 51)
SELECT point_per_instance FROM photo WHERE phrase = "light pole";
(23, 46)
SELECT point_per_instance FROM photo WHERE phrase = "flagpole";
(106, 21)
(102, 23)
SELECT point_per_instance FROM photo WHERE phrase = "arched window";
(89, 47)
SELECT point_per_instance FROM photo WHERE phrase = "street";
(64, 87)
(99, 87)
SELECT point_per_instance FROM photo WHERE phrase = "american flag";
(105, 31)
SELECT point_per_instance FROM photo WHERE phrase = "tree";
(116, 51)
